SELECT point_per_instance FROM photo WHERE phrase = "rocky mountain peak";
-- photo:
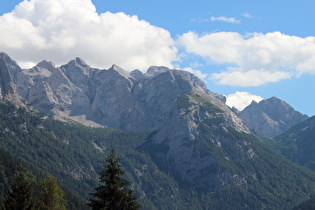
(155, 70)
(276, 101)
(6, 57)
(120, 71)
(194, 79)
(76, 68)
(270, 117)
(80, 61)
(253, 103)
(46, 65)
(137, 74)
(12, 66)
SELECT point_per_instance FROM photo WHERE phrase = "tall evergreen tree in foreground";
(51, 195)
(20, 195)
(115, 193)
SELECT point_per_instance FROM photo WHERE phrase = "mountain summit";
(270, 117)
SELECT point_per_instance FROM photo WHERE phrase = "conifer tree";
(20, 194)
(115, 193)
(51, 194)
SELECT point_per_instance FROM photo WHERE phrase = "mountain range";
(187, 132)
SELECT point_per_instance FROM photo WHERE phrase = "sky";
(246, 49)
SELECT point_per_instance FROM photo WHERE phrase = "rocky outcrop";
(137, 74)
(270, 117)
(8, 90)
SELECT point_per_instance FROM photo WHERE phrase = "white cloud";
(240, 100)
(253, 59)
(247, 15)
(198, 73)
(60, 30)
(252, 77)
(225, 19)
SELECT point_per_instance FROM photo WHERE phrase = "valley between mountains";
(181, 145)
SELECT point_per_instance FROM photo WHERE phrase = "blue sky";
(243, 49)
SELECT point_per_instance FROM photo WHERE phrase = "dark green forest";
(74, 154)
(298, 143)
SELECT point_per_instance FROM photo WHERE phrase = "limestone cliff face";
(49, 90)
(271, 117)
(8, 90)
(114, 102)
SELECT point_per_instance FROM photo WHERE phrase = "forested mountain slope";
(74, 153)
(298, 143)
(10, 167)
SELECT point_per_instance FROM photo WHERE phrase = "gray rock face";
(271, 117)
(194, 79)
(198, 125)
(137, 74)
(8, 90)
(6, 85)
(49, 90)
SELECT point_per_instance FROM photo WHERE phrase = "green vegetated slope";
(298, 143)
(10, 167)
(275, 183)
(74, 155)
(70, 152)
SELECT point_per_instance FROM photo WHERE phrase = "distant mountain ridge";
(77, 91)
(270, 117)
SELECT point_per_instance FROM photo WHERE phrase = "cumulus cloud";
(198, 73)
(225, 19)
(253, 59)
(240, 100)
(60, 30)
(254, 77)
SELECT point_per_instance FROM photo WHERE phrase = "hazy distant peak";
(271, 117)
(275, 99)
(154, 70)
(9, 62)
(253, 103)
(137, 74)
(46, 65)
(3, 54)
(80, 61)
